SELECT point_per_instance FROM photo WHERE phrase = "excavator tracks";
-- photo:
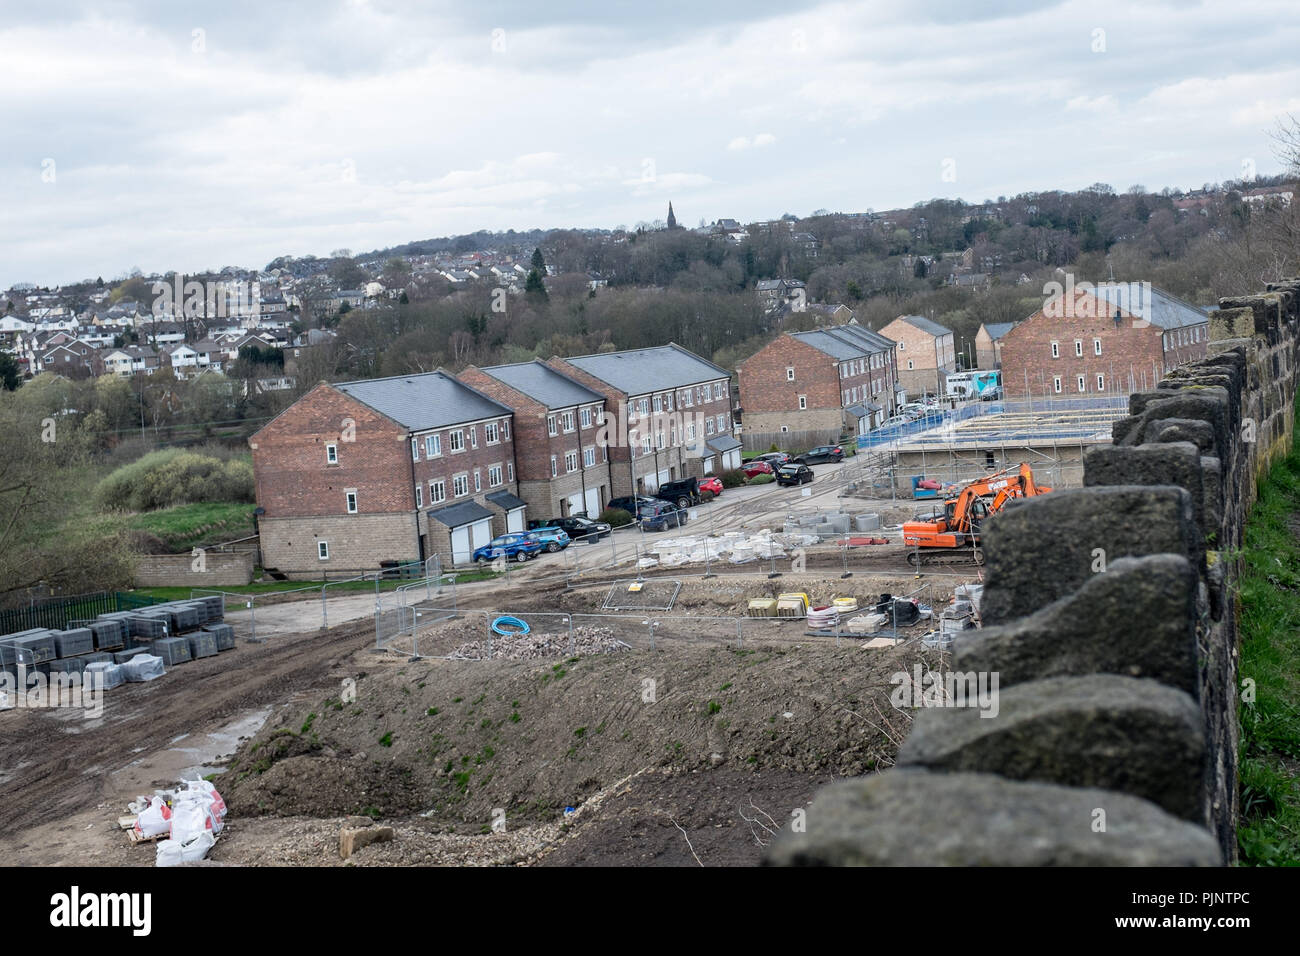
(970, 557)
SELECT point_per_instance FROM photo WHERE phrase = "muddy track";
(56, 763)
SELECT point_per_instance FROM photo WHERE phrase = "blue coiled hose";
(504, 621)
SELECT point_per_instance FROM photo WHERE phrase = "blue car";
(553, 539)
(513, 547)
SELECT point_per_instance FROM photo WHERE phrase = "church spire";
(672, 220)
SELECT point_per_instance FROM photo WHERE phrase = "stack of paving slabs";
(149, 624)
(172, 650)
(202, 644)
(110, 635)
(224, 634)
(78, 640)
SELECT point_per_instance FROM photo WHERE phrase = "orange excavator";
(953, 535)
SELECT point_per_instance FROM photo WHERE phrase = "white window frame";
(478, 480)
(419, 496)
(322, 550)
(1101, 382)
(552, 425)
(437, 492)
(1082, 382)
(1056, 384)
(789, 373)
(570, 461)
(510, 471)
(454, 438)
(1056, 350)
(566, 422)
(505, 429)
(491, 433)
(494, 476)
(1096, 346)
(458, 482)
(555, 467)
(1078, 348)
(473, 436)
(432, 446)
(585, 417)
(415, 449)
(589, 456)
(331, 454)
(350, 501)
(803, 402)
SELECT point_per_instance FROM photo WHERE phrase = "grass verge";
(1268, 832)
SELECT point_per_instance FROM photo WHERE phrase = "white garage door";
(573, 504)
(515, 519)
(481, 532)
(665, 476)
(593, 502)
(461, 551)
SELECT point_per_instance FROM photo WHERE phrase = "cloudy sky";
(159, 135)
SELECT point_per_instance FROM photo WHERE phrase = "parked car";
(712, 484)
(895, 421)
(752, 468)
(822, 454)
(773, 458)
(682, 493)
(518, 546)
(662, 515)
(633, 504)
(576, 527)
(794, 473)
(553, 539)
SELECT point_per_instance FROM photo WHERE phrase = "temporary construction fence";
(56, 612)
(431, 631)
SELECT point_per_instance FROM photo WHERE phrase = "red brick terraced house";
(667, 412)
(355, 474)
(926, 354)
(811, 387)
(1112, 339)
(563, 468)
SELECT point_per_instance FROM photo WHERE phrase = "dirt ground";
(695, 748)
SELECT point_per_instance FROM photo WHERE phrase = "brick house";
(811, 387)
(926, 353)
(395, 469)
(562, 469)
(1110, 340)
(988, 343)
(663, 406)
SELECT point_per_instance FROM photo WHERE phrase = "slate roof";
(453, 516)
(506, 500)
(640, 371)
(722, 443)
(539, 381)
(844, 342)
(925, 325)
(430, 400)
(998, 329)
(1152, 304)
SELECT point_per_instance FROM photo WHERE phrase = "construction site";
(634, 687)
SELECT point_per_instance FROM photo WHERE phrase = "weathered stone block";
(1170, 463)
(1041, 549)
(913, 818)
(1116, 733)
(1135, 619)
(353, 839)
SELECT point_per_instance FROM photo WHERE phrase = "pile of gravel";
(538, 646)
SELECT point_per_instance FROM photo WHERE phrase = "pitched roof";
(453, 516)
(998, 329)
(506, 500)
(638, 371)
(844, 342)
(723, 443)
(924, 324)
(1154, 305)
(539, 381)
(430, 400)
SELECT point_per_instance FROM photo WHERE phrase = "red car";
(711, 484)
(752, 468)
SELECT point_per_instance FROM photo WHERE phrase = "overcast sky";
(137, 134)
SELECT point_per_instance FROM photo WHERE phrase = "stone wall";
(1110, 617)
(207, 570)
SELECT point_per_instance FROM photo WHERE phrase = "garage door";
(665, 476)
(515, 520)
(573, 504)
(593, 502)
(481, 532)
(461, 550)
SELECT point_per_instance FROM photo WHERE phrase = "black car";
(577, 528)
(633, 504)
(822, 454)
(682, 493)
(661, 516)
(794, 474)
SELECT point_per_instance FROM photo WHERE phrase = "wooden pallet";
(127, 823)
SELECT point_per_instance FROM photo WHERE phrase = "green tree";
(534, 287)
(539, 264)
(10, 377)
